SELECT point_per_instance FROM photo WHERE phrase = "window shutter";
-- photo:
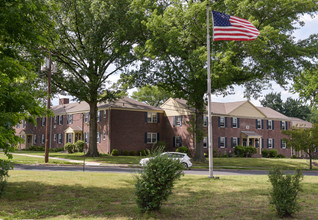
(146, 137)
(219, 119)
(281, 124)
(231, 122)
(256, 124)
(219, 142)
(267, 124)
(174, 121)
(262, 142)
(100, 136)
(62, 119)
(273, 122)
(225, 144)
(281, 143)
(158, 137)
(262, 124)
(44, 121)
(232, 142)
(158, 117)
(286, 125)
(225, 119)
(238, 122)
(174, 141)
(146, 117)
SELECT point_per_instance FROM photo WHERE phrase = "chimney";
(64, 101)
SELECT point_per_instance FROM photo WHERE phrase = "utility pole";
(48, 106)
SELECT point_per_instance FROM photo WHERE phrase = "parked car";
(182, 157)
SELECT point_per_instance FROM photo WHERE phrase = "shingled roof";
(124, 103)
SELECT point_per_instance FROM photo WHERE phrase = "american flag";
(228, 27)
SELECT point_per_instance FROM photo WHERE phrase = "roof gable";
(174, 107)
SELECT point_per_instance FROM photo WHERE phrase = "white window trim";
(205, 121)
(153, 138)
(205, 142)
(284, 145)
(236, 140)
(34, 139)
(59, 138)
(152, 117)
(222, 124)
(259, 124)
(270, 143)
(104, 113)
(283, 125)
(98, 116)
(104, 135)
(178, 121)
(86, 117)
(222, 138)
(176, 143)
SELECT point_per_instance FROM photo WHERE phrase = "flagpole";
(210, 138)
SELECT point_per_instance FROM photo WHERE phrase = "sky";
(311, 27)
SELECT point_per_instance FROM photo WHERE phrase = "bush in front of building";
(70, 148)
(80, 146)
(115, 152)
(142, 153)
(156, 181)
(272, 153)
(242, 151)
(57, 149)
(36, 148)
(183, 149)
(284, 195)
(281, 156)
(132, 153)
(125, 153)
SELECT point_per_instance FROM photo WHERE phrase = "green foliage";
(271, 153)
(80, 146)
(183, 149)
(70, 148)
(36, 148)
(142, 153)
(284, 194)
(115, 152)
(57, 149)
(280, 156)
(132, 153)
(155, 182)
(291, 108)
(242, 151)
(5, 166)
(294, 157)
(152, 95)
(125, 153)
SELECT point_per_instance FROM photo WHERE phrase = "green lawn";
(225, 163)
(69, 195)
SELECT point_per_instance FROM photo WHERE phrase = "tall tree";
(174, 56)
(303, 139)
(291, 107)
(152, 95)
(96, 40)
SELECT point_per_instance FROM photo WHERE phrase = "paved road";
(120, 169)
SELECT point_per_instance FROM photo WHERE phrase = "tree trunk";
(199, 134)
(92, 150)
(310, 159)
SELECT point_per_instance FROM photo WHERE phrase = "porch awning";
(250, 134)
(73, 129)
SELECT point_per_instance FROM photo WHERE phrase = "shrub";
(156, 181)
(125, 153)
(294, 157)
(280, 156)
(272, 153)
(36, 148)
(115, 152)
(132, 153)
(69, 147)
(80, 146)
(242, 151)
(265, 153)
(142, 153)
(183, 149)
(285, 191)
(5, 166)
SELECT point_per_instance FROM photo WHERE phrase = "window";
(283, 125)
(23, 123)
(151, 138)
(34, 139)
(284, 145)
(54, 137)
(151, 117)
(86, 134)
(98, 137)
(55, 117)
(234, 142)
(104, 114)
(60, 141)
(104, 135)
(177, 141)
(259, 124)
(69, 138)
(270, 125)
(222, 122)
(60, 119)
(205, 142)
(43, 122)
(177, 121)
(42, 138)
(234, 123)
(205, 120)
(222, 142)
(270, 143)
(98, 116)
(69, 119)
(86, 117)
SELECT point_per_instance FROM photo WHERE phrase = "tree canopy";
(291, 107)
(174, 56)
(152, 95)
(96, 40)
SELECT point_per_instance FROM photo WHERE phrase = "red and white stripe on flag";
(228, 27)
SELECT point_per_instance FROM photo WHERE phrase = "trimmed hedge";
(271, 153)
(242, 151)
(115, 152)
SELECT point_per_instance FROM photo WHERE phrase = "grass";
(69, 195)
(19, 159)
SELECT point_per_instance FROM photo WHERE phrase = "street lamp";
(50, 68)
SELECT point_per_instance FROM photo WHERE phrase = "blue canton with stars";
(221, 19)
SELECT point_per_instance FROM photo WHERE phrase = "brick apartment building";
(128, 125)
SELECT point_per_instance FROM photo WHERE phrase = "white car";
(182, 157)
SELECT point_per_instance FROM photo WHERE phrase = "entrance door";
(28, 141)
